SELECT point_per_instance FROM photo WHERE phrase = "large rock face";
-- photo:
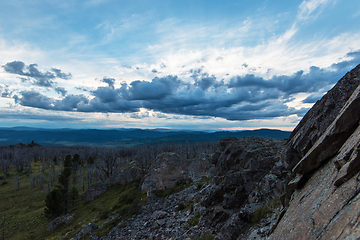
(320, 116)
(327, 204)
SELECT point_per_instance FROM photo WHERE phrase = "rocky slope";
(226, 193)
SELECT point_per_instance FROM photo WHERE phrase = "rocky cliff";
(324, 153)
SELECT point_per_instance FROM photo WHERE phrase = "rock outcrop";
(249, 175)
(327, 203)
(319, 117)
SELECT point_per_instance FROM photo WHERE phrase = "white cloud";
(308, 7)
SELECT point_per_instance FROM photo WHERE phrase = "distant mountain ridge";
(123, 137)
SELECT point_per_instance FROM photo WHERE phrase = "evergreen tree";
(54, 204)
(64, 180)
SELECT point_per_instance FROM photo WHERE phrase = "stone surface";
(316, 207)
(58, 221)
(326, 203)
(319, 118)
(334, 137)
(87, 229)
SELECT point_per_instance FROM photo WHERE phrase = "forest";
(31, 175)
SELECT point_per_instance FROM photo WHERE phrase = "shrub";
(54, 204)
(180, 206)
(259, 214)
(274, 203)
(179, 186)
(204, 237)
(194, 220)
(130, 199)
(104, 214)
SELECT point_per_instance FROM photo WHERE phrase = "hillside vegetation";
(29, 173)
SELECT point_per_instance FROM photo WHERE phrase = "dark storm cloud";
(41, 79)
(109, 81)
(61, 75)
(157, 89)
(203, 80)
(5, 92)
(348, 63)
(119, 106)
(79, 103)
(37, 100)
(15, 67)
(33, 99)
(106, 94)
(61, 90)
(241, 98)
(312, 81)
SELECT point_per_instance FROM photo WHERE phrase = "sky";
(196, 65)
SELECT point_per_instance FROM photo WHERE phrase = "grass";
(204, 237)
(113, 201)
(259, 213)
(262, 212)
(188, 206)
(203, 180)
(194, 220)
(22, 209)
(179, 186)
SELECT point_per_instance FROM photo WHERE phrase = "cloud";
(313, 81)
(5, 92)
(37, 100)
(355, 59)
(140, 115)
(239, 98)
(157, 89)
(61, 90)
(109, 81)
(33, 99)
(313, 98)
(308, 7)
(42, 79)
(203, 80)
(106, 94)
(60, 74)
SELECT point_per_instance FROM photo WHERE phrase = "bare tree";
(41, 178)
(17, 179)
(5, 161)
(33, 180)
(107, 164)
